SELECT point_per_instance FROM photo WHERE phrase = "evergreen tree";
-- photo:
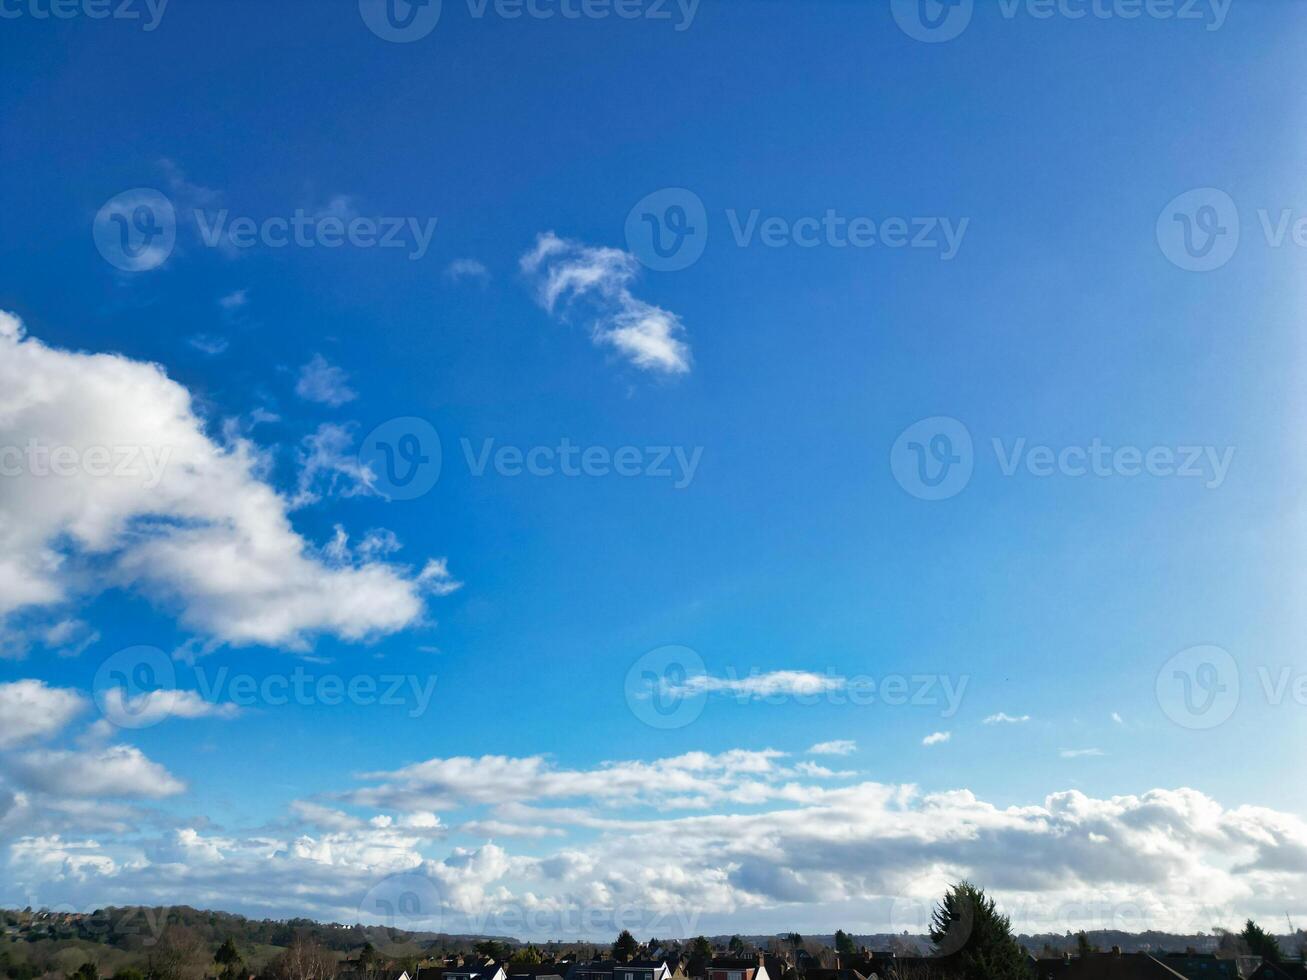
(974, 939)
(625, 947)
(844, 944)
(701, 947)
(1261, 943)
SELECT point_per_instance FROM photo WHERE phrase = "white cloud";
(29, 709)
(190, 524)
(115, 771)
(70, 637)
(791, 683)
(1080, 753)
(152, 707)
(461, 269)
(1002, 718)
(1168, 858)
(234, 300)
(842, 746)
(936, 738)
(688, 781)
(1117, 718)
(321, 381)
(566, 273)
(327, 467)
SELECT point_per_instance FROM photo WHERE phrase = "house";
(1202, 966)
(642, 970)
(1115, 965)
(473, 971)
(1292, 970)
(835, 973)
(733, 968)
(593, 970)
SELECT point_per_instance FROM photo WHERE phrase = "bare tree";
(180, 954)
(305, 959)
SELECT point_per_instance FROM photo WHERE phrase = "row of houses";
(867, 965)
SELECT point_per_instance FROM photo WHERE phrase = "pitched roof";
(1106, 966)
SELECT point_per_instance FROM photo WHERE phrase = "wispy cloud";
(461, 269)
(1080, 753)
(208, 343)
(777, 682)
(1003, 718)
(936, 738)
(321, 381)
(234, 300)
(842, 746)
(566, 274)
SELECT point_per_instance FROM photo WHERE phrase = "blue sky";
(787, 545)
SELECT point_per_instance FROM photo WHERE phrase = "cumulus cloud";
(152, 707)
(689, 781)
(1168, 858)
(323, 382)
(841, 746)
(115, 771)
(29, 709)
(568, 274)
(157, 506)
(936, 738)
